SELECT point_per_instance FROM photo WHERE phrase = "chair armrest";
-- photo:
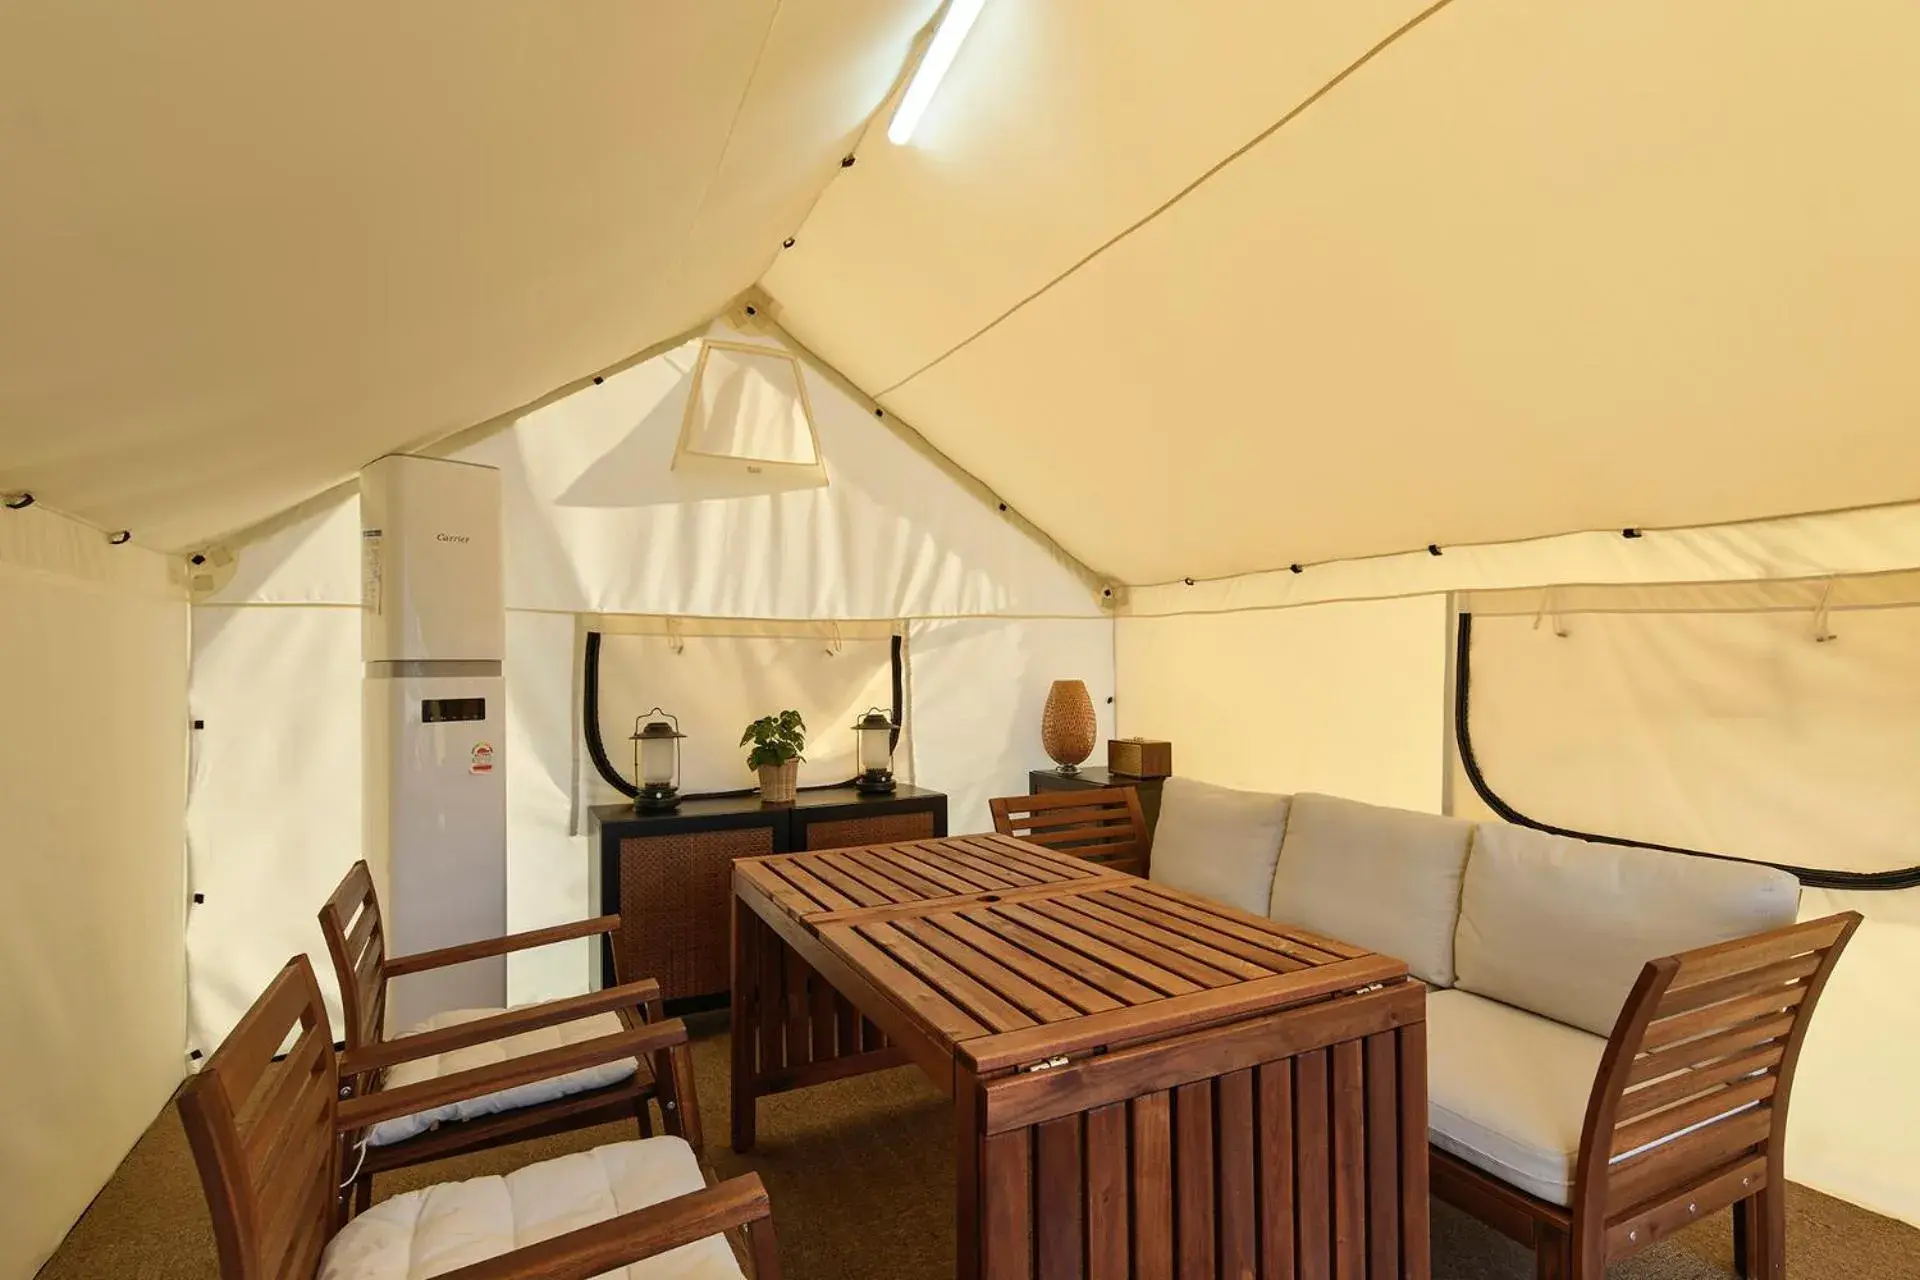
(390, 1104)
(598, 1249)
(422, 961)
(642, 995)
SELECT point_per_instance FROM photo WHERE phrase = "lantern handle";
(656, 711)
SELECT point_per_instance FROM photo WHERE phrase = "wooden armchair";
(1688, 1113)
(265, 1137)
(355, 934)
(1104, 826)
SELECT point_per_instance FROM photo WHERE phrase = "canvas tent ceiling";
(247, 248)
(1199, 291)
(1532, 268)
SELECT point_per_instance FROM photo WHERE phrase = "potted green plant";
(777, 745)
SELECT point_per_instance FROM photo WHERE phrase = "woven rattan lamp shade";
(1068, 726)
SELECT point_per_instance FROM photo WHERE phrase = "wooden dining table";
(1145, 1082)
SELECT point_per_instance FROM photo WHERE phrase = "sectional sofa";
(1611, 1031)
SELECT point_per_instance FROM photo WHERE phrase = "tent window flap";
(1749, 733)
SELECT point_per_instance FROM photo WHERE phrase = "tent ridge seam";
(1107, 590)
(1274, 571)
(1293, 113)
(916, 49)
(538, 611)
(726, 145)
(1129, 611)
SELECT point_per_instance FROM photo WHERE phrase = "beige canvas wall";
(1344, 698)
(93, 675)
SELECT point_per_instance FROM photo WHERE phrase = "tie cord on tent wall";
(1811, 877)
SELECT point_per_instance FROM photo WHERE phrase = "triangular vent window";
(748, 409)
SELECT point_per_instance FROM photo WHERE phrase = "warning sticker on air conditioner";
(482, 760)
(371, 571)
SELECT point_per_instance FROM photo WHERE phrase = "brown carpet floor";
(860, 1172)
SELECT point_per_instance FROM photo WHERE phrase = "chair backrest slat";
(1082, 815)
(262, 1134)
(256, 1041)
(357, 940)
(1105, 826)
(363, 929)
(302, 1259)
(283, 1094)
(1698, 1073)
(291, 1202)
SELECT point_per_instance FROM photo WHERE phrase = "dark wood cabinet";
(669, 876)
(1042, 780)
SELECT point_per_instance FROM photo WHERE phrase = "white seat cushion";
(430, 1068)
(1563, 927)
(455, 1224)
(1507, 1090)
(1218, 842)
(1380, 878)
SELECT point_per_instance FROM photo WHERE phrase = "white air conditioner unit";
(433, 637)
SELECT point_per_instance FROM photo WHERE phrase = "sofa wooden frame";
(1105, 826)
(355, 932)
(1701, 1063)
(266, 1140)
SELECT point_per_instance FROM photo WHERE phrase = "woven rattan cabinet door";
(675, 896)
(879, 828)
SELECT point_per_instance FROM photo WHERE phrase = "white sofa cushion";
(1507, 1090)
(456, 1224)
(1562, 927)
(602, 1076)
(1218, 842)
(1385, 879)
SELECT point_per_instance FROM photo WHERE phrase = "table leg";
(967, 1142)
(744, 1010)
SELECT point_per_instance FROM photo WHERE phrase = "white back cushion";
(1218, 842)
(1380, 878)
(1562, 927)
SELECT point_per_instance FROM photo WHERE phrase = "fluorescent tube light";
(932, 69)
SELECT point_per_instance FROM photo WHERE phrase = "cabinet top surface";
(1006, 953)
(1092, 776)
(721, 806)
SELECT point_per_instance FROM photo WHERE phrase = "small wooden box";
(1140, 757)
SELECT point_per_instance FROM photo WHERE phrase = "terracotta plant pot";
(1068, 726)
(780, 783)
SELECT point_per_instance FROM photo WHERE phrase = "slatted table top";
(1007, 954)
(832, 885)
